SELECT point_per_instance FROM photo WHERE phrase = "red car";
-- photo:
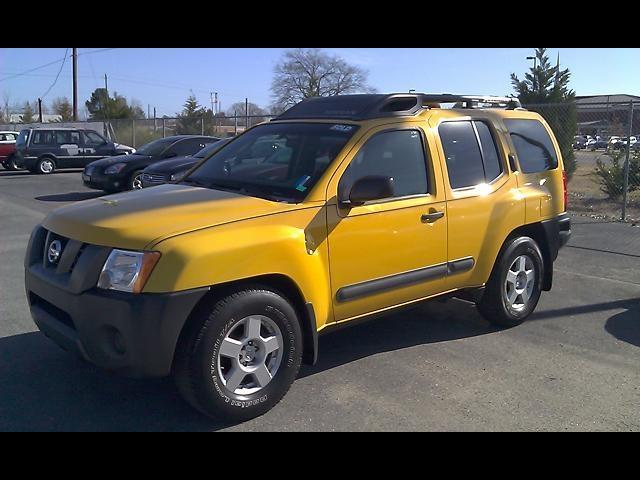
(8, 149)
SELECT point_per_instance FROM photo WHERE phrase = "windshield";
(156, 147)
(276, 160)
(209, 149)
(22, 138)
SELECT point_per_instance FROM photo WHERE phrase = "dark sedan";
(124, 172)
(174, 169)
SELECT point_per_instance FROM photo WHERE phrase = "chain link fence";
(600, 148)
(599, 143)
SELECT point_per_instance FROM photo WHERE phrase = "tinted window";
(462, 152)
(67, 136)
(289, 171)
(43, 137)
(189, 146)
(155, 147)
(533, 145)
(92, 138)
(209, 149)
(492, 163)
(397, 154)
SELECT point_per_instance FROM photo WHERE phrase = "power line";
(58, 75)
(32, 69)
(96, 51)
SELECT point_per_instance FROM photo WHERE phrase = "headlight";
(127, 271)
(115, 168)
(178, 176)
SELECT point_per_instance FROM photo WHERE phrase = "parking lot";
(575, 365)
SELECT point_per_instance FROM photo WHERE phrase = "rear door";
(482, 202)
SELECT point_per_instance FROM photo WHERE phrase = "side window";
(43, 137)
(471, 154)
(490, 157)
(399, 154)
(92, 139)
(462, 152)
(3, 137)
(533, 145)
(190, 146)
(67, 137)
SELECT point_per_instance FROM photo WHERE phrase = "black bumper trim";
(558, 232)
(132, 334)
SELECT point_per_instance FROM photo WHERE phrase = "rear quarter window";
(533, 145)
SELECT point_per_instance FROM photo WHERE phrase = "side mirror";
(367, 189)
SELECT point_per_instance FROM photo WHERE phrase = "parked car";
(44, 150)
(174, 169)
(121, 173)
(226, 278)
(579, 142)
(598, 143)
(8, 150)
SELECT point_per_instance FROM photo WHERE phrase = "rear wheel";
(46, 166)
(11, 164)
(238, 358)
(515, 285)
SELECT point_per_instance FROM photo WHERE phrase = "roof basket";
(366, 106)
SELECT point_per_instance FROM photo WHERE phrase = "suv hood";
(138, 219)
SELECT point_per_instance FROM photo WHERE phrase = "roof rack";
(367, 106)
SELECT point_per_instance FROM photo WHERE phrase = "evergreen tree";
(545, 89)
(62, 106)
(102, 106)
(28, 115)
(189, 120)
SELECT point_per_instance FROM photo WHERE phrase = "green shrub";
(610, 175)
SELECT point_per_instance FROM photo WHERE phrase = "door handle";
(431, 217)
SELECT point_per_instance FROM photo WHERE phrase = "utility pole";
(40, 109)
(246, 113)
(106, 105)
(216, 102)
(625, 186)
(75, 84)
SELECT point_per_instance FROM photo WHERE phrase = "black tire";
(11, 164)
(132, 180)
(494, 305)
(197, 367)
(45, 166)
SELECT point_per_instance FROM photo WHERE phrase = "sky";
(163, 78)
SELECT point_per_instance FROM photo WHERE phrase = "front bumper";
(132, 334)
(99, 181)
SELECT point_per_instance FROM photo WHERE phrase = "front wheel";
(238, 358)
(135, 183)
(515, 285)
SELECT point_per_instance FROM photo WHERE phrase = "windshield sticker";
(342, 128)
(301, 182)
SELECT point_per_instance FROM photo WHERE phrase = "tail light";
(566, 193)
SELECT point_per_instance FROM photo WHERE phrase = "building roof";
(613, 98)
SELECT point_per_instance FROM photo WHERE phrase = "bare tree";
(312, 73)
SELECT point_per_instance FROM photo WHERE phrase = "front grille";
(154, 178)
(68, 253)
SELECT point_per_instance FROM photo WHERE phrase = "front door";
(391, 251)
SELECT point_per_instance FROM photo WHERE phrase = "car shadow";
(428, 323)
(46, 389)
(625, 326)
(70, 197)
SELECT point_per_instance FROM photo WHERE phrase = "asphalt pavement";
(575, 365)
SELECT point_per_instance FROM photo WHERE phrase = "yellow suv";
(339, 209)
